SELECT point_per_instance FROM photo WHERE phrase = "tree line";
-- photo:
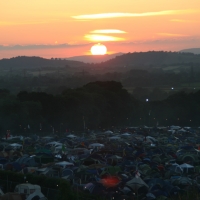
(96, 105)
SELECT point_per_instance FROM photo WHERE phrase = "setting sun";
(98, 49)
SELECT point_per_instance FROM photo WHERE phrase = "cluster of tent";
(142, 163)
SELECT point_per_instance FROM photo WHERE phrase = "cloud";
(146, 14)
(107, 31)
(7, 23)
(181, 20)
(172, 35)
(41, 46)
(98, 38)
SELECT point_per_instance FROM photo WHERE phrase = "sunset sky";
(65, 28)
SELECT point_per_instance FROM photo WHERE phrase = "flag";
(137, 174)
(63, 148)
(83, 144)
(124, 152)
(23, 141)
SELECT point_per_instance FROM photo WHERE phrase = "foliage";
(96, 105)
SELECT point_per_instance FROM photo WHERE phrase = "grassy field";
(193, 87)
(175, 69)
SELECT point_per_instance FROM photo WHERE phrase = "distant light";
(172, 88)
(194, 88)
(147, 100)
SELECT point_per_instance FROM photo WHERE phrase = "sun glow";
(107, 31)
(96, 37)
(98, 49)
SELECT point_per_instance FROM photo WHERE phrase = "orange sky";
(64, 28)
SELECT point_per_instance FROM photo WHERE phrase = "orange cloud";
(146, 14)
(4, 23)
(172, 35)
(107, 31)
(98, 38)
(181, 20)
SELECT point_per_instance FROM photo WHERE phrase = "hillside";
(33, 62)
(94, 59)
(192, 50)
(129, 60)
(153, 58)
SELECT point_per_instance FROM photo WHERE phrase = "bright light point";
(102, 38)
(107, 31)
(98, 49)
(147, 100)
(172, 88)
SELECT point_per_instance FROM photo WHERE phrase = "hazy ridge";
(192, 50)
(151, 58)
(94, 58)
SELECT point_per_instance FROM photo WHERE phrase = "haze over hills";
(152, 58)
(130, 60)
(139, 69)
(94, 58)
(192, 50)
(33, 62)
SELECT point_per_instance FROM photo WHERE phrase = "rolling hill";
(94, 58)
(192, 50)
(36, 62)
(129, 60)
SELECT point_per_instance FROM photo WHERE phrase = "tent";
(126, 134)
(54, 143)
(114, 138)
(71, 136)
(98, 145)
(108, 132)
(176, 168)
(136, 183)
(112, 170)
(182, 181)
(15, 145)
(152, 139)
(64, 164)
(186, 167)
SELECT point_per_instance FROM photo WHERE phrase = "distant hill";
(192, 50)
(130, 60)
(152, 58)
(94, 58)
(33, 62)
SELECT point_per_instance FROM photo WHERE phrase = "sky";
(66, 28)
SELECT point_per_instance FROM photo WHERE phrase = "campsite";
(128, 163)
